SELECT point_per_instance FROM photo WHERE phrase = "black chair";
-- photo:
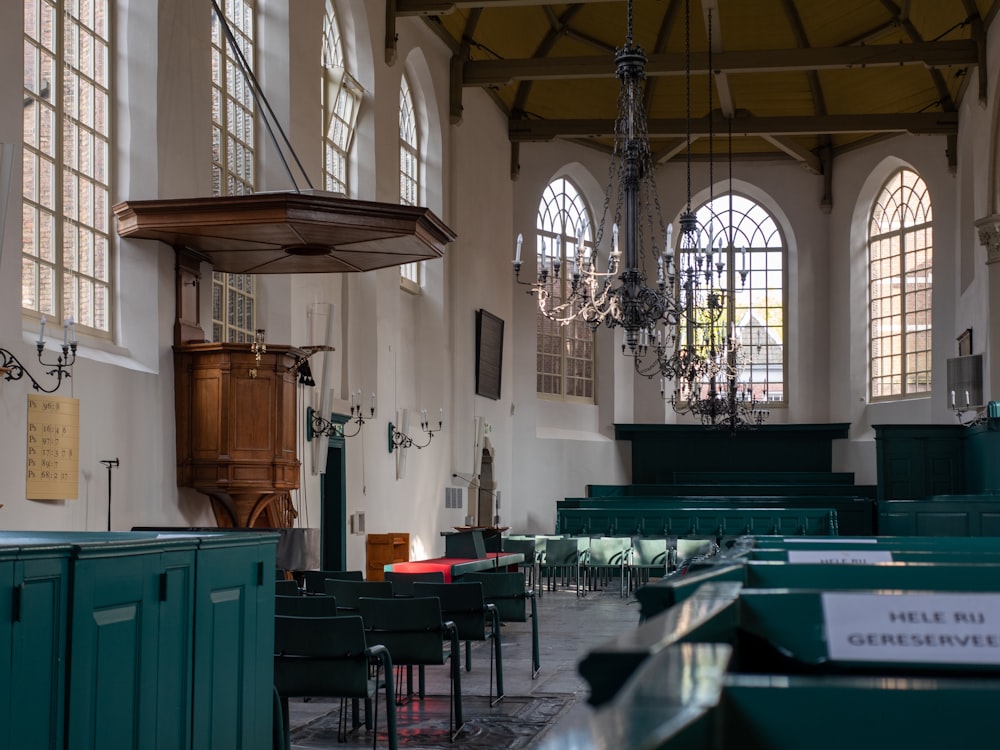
(305, 606)
(402, 583)
(347, 593)
(313, 580)
(286, 588)
(463, 604)
(413, 630)
(330, 656)
(507, 591)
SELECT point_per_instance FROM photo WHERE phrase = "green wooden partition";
(101, 635)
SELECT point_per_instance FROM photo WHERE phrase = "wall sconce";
(321, 427)
(399, 439)
(979, 414)
(12, 369)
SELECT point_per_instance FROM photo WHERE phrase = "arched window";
(900, 263)
(234, 140)
(565, 353)
(341, 99)
(751, 252)
(409, 172)
(66, 258)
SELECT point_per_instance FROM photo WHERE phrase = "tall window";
(341, 98)
(409, 173)
(66, 261)
(233, 168)
(746, 242)
(565, 353)
(900, 261)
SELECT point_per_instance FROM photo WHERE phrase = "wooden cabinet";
(236, 437)
(382, 550)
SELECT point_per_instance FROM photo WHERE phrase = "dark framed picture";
(489, 354)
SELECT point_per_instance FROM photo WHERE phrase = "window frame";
(582, 214)
(758, 235)
(902, 234)
(411, 275)
(95, 76)
(342, 95)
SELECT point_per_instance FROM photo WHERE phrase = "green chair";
(464, 604)
(563, 558)
(347, 593)
(507, 591)
(527, 546)
(402, 583)
(330, 656)
(650, 555)
(413, 630)
(606, 556)
(314, 580)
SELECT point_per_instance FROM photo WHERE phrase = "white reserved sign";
(959, 628)
(839, 556)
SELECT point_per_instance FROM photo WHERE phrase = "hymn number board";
(52, 470)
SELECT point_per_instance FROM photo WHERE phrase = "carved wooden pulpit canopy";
(235, 411)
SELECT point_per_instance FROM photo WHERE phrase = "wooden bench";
(855, 515)
(715, 519)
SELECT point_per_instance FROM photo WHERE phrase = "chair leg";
(468, 656)
(496, 655)
(535, 662)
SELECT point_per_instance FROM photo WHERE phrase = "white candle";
(668, 247)
(41, 332)
(953, 399)
(66, 332)
(373, 402)
(72, 330)
(440, 416)
(517, 252)
(614, 238)
(967, 403)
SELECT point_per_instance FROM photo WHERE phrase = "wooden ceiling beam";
(445, 7)
(961, 52)
(796, 150)
(925, 123)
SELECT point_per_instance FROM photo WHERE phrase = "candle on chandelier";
(373, 402)
(614, 238)
(72, 330)
(953, 399)
(41, 332)
(668, 245)
(66, 332)
(440, 416)
(517, 251)
(967, 403)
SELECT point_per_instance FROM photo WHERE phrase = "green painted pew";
(942, 515)
(697, 521)
(712, 488)
(855, 515)
(687, 698)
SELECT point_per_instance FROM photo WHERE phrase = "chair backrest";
(412, 629)
(608, 551)
(506, 591)
(320, 656)
(314, 580)
(347, 593)
(525, 546)
(286, 588)
(305, 606)
(651, 552)
(562, 551)
(402, 583)
(462, 603)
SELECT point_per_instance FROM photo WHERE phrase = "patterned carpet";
(516, 722)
